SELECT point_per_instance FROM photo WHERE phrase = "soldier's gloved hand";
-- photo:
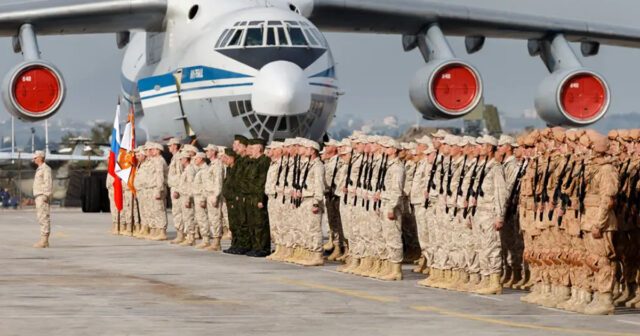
(474, 201)
(391, 216)
(187, 205)
(299, 194)
(469, 225)
(497, 226)
(158, 197)
(560, 212)
(46, 200)
(596, 233)
(376, 197)
(378, 212)
(260, 205)
(176, 195)
(465, 204)
(315, 209)
(345, 190)
(426, 194)
(203, 204)
(445, 198)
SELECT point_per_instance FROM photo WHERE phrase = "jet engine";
(33, 90)
(446, 89)
(578, 97)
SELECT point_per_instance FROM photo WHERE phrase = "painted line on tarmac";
(518, 324)
(630, 322)
(486, 297)
(336, 290)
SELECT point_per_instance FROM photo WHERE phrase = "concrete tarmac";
(90, 282)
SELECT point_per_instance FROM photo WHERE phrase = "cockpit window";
(254, 37)
(297, 38)
(271, 34)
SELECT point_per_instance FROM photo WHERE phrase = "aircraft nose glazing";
(281, 88)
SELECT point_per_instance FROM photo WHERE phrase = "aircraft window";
(310, 37)
(243, 23)
(253, 133)
(262, 118)
(247, 104)
(265, 135)
(224, 33)
(252, 117)
(297, 38)
(292, 23)
(255, 23)
(246, 121)
(271, 36)
(236, 24)
(294, 122)
(275, 23)
(241, 108)
(283, 124)
(282, 37)
(271, 123)
(234, 109)
(235, 40)
(254, 37)
(226, 38)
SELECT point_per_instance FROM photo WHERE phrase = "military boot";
(124, 229)
(560, 294)
(287, 252)
(584, 299)
(463, 280)
(524, 279)
(385, 269)
(494, 286)
(293, 254)
(129, 232)
(472, 284)
(395, 274)
(313, 259)
(189, 241)
(428, 281)
(444, 279)
(275, 253)
(375, 267)
(532, 297)
(546, 295)
(506, 275)
(114, 229)
(572, 299)
(329, 244)
(602, 304)
(179, 238)
(136, 230)
(226, 234)
(151, 233)
(516, 276)
(365, 263)
(145, 232)
(44, 242)
(303, 255)
(215, 246)
(453, 280)
(161, 235)
(335, 254)
(625, 295)
(344, 255)
(205, 243)
(421, 265)
(351, 263)
(635, 300)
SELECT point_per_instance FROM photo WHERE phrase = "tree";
(100, 134)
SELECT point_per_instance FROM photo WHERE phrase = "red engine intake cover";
(37, 89)
(455, 87)
(583, 96)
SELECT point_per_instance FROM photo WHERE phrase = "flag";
(115, 150)
(126, 168)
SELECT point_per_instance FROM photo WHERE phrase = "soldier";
(310, 195)
(184, 195)
(200, 199)
(157, 192)
(173, 178)
(234, 190)
(256, 200)
(112, 205)
(213, 180)
(411, 243)
(141, 185)
(271, 189)
(226, 233)
(42, 190)
(469, 279)
(345, 152)
(425, 209)
(332, 165)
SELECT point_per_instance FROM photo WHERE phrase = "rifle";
(582, 191)
(441, 191)
(358, 182)
(633, 191)
(544, 195)
(430, 184)
(286, 177)
(566, 199)
(278, 179)
(620, 198)
(348, 181)
(332, 187)
(296, 175)
(449, 176)
(515, 190)
(474, 174)
(368, 185)
(459, 191)
(479, 191)
(558, 190)
(383, 187)
(303, 185)
(379, 182)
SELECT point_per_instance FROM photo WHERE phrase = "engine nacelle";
(33, 90)
(446, 89)
(575, 97)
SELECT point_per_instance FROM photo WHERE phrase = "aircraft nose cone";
(281, 88)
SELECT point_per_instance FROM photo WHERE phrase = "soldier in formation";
(42, 190)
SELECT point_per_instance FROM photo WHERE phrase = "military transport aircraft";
(213, 68)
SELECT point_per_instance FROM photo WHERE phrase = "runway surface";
(90, 282)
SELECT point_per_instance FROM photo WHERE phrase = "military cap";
(430, 149)
(230, 152)
(256, 141)
(242, 139)
(507, 140)
(388, 142)
(345, 142)
(634, 134)
(612, 135)
(450, 139)
(345, 150)
(558, 134)
(571, 135)
(624, 135)
(173, 141)
(584, 140)
(546, 133)
(440, 134)
(599, 142)
(140, 150)
(221, 149)
(470, 140)
(153, 145)
(332, 142)
(425, 140)
(201, 155)
(185, 155)
(408, 145)
(462, 142)
(287, 142)
(310, 144)
(275, 144)
(210, 147)
(488, 140)
(189, 148)
(39, 154)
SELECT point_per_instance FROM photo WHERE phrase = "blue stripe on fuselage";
(189, 75)
(330, 73)
(199, 88)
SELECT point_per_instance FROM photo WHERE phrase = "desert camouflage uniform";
(173, 181)
(42, 190)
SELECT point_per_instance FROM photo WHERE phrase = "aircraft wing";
(57, 17)
(52, 157)
(410, 16)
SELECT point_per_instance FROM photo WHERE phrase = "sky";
(373, 71)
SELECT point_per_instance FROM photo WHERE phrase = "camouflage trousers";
(188, 214)
(599, 254)
(43, 214)
(127, 213)
(512, 243)
(176, 211)
(158, 211)
(214, 214)
(309, 226)
(432, 231)
(392, 232)
(443, 239)
(200, 214)
(332, 205)
(288, 226)
(421, 217)
(112, 207)
(345, 220)
(225, 215)
(274, 210)
(489, 243)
